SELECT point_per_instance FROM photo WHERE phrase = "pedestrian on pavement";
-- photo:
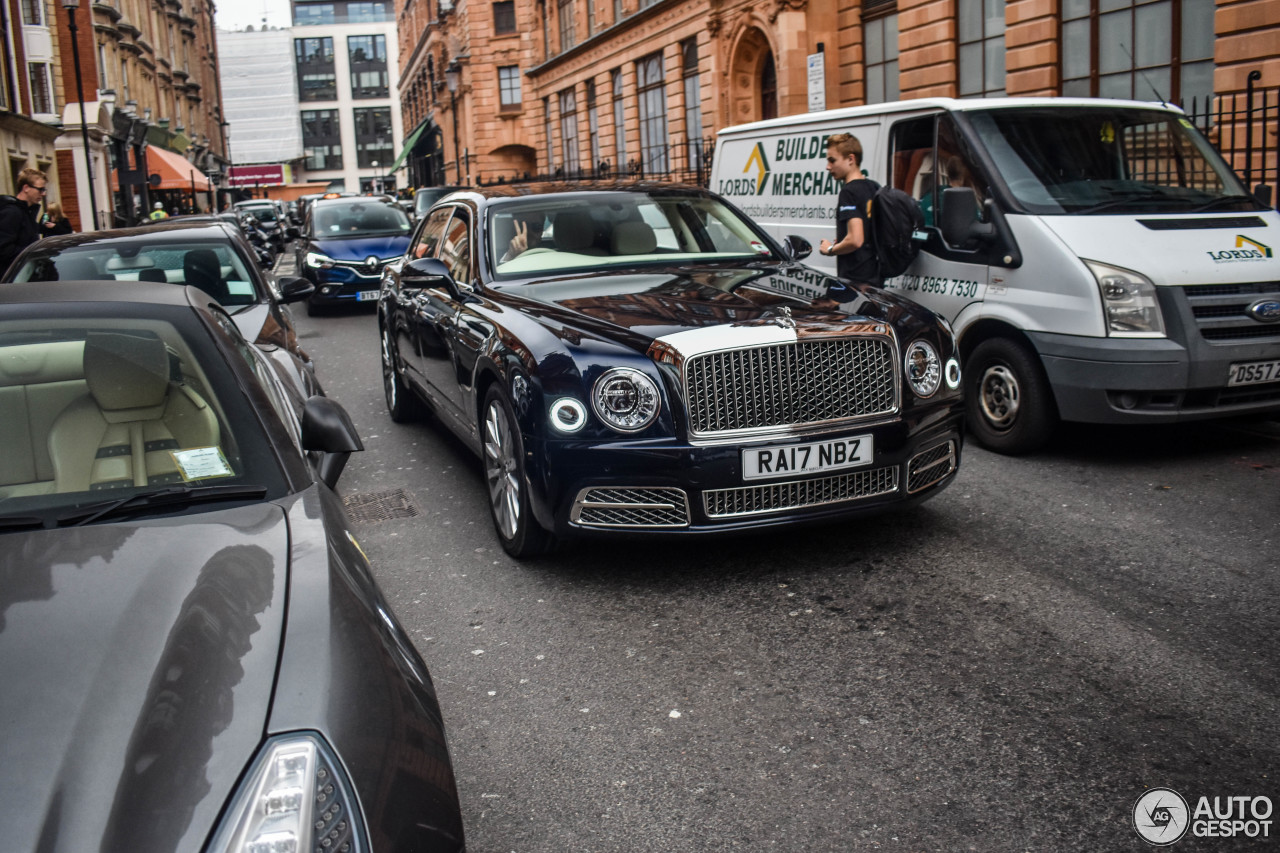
(18, 228)
(54, 222)
(158, 213)
(855, 257)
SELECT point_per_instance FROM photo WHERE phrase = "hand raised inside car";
(520, 242)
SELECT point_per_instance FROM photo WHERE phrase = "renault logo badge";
(1265, 311)
(371, 262)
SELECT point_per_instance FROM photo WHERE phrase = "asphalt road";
(1008, 667)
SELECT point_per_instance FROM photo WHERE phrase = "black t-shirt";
(852, 203)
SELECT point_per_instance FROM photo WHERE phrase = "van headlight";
(923, 368)
(1129, 302)
(295, 797)
(625, 399)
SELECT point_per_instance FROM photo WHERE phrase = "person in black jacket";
(18, 226)
(54, 223)
(854, 254)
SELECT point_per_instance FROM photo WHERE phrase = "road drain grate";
(374, 507)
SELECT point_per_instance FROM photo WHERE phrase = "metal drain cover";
(374, 507)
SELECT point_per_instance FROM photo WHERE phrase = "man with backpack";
(854, 254)
(878, 231)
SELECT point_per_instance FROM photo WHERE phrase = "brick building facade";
(546, 87)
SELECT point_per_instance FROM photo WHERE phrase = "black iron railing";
(1245, 128)
(678, 161)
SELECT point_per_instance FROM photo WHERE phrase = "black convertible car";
(646, 360)
(193, 652)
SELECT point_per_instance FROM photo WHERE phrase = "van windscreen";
(1107, 160)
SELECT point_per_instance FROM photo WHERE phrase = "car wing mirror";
(961, 225)
(294, 288)
(427, 273)
(327, 429)
(799, 247)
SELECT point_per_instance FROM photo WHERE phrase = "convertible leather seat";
(123, 431)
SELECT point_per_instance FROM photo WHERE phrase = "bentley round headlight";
(568, 415)
(953, 374)
(924, 368)
(625, 399)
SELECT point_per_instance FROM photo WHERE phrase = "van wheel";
(503, 458)
(1008, 402)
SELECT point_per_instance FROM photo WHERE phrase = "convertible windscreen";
(567, 233)
(213, 267)
(102, 409)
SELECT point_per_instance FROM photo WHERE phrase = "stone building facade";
(567, 87)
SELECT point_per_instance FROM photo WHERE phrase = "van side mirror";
(799, 247)
(1262, 192)
(327, 429)
(960, 223)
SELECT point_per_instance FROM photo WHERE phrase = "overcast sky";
(238, 14)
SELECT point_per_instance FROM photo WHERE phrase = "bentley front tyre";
(1009, 405)
(504, 472)
(402, 404)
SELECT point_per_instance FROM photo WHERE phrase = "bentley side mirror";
(294, 288)
(799, 247)
(426, 273)
(327, 430)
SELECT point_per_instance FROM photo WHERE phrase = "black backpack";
(894, 218)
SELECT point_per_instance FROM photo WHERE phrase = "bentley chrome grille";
(800, 383)
(931, 466)
(799, 494)
(631, 507)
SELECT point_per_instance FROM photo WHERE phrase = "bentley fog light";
(568, 415)
(317, 261)
(1128, 302)
(625, 399)
(953, 374)
(923, 368)
(295, 798)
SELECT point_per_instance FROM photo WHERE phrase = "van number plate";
(808, 458)
(1254, 373)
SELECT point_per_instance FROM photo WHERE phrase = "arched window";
(769, 88)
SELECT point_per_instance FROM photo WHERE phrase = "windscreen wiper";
(20, 522)
(1129, 199)
(1214, 202)
(163, 498)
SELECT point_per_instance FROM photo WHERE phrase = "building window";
(569, 131)
(322, 139)
(881, 37)
(312, 14)
(124, 80)
(619, 120)
(981, 28)
(373, 137)
(368, 55)
(617, 11)
(504, 18)
(653, 114)
(1143, 50)
(769, 88)
(33, 13)
(41, 99)
(593, 124)
(509, 87)
(692, 102)
(591, 17)
(367, 13)
(317, 80)
(564, 10)
(546, 129)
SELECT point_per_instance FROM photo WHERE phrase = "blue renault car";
(345, 244)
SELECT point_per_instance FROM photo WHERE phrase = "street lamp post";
(71, 6)
(452, 76)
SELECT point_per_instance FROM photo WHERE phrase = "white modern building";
(347, 66)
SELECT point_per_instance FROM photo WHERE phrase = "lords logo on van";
(1245, 250)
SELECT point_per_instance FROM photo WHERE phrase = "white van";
(1098, 259)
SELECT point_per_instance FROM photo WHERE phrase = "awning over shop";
(176, 172)
(408, 145)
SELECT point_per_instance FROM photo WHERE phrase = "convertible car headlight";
(295, 798)
(923, 368)
(315, 260)
(1128, 302)
(625, 399)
